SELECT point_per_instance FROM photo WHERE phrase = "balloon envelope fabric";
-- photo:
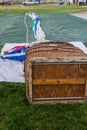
(57, 27)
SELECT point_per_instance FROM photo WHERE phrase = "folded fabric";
(80, 45)
(17, 52)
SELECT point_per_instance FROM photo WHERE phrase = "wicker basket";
(55, 72)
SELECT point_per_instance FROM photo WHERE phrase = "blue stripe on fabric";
(35, 25)
(16, 51)
(18, 58)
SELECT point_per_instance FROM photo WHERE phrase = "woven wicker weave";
(50, 49)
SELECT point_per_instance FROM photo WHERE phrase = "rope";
(26, 28)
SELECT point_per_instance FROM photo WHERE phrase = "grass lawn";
(43, 8)
(17, 114)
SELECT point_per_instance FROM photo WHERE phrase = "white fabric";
(40, 35)
(11, 71)
(80, 15)
(37, 30)
(80, 45)
(8, 46)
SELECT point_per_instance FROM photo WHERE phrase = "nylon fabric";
(57, 27)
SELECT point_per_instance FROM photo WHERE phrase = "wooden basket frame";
(55, 60)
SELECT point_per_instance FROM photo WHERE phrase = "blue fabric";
(17, 51)
(18, 58)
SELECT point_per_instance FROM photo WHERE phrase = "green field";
(43, 8)
(15, 111)
(17, 114)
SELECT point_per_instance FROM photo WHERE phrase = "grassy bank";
(43, 8)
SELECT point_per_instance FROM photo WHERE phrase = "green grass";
(0, 47)
(15, 111)
(17, 114)
(45, 8)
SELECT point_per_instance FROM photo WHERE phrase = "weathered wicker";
(55, 72)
